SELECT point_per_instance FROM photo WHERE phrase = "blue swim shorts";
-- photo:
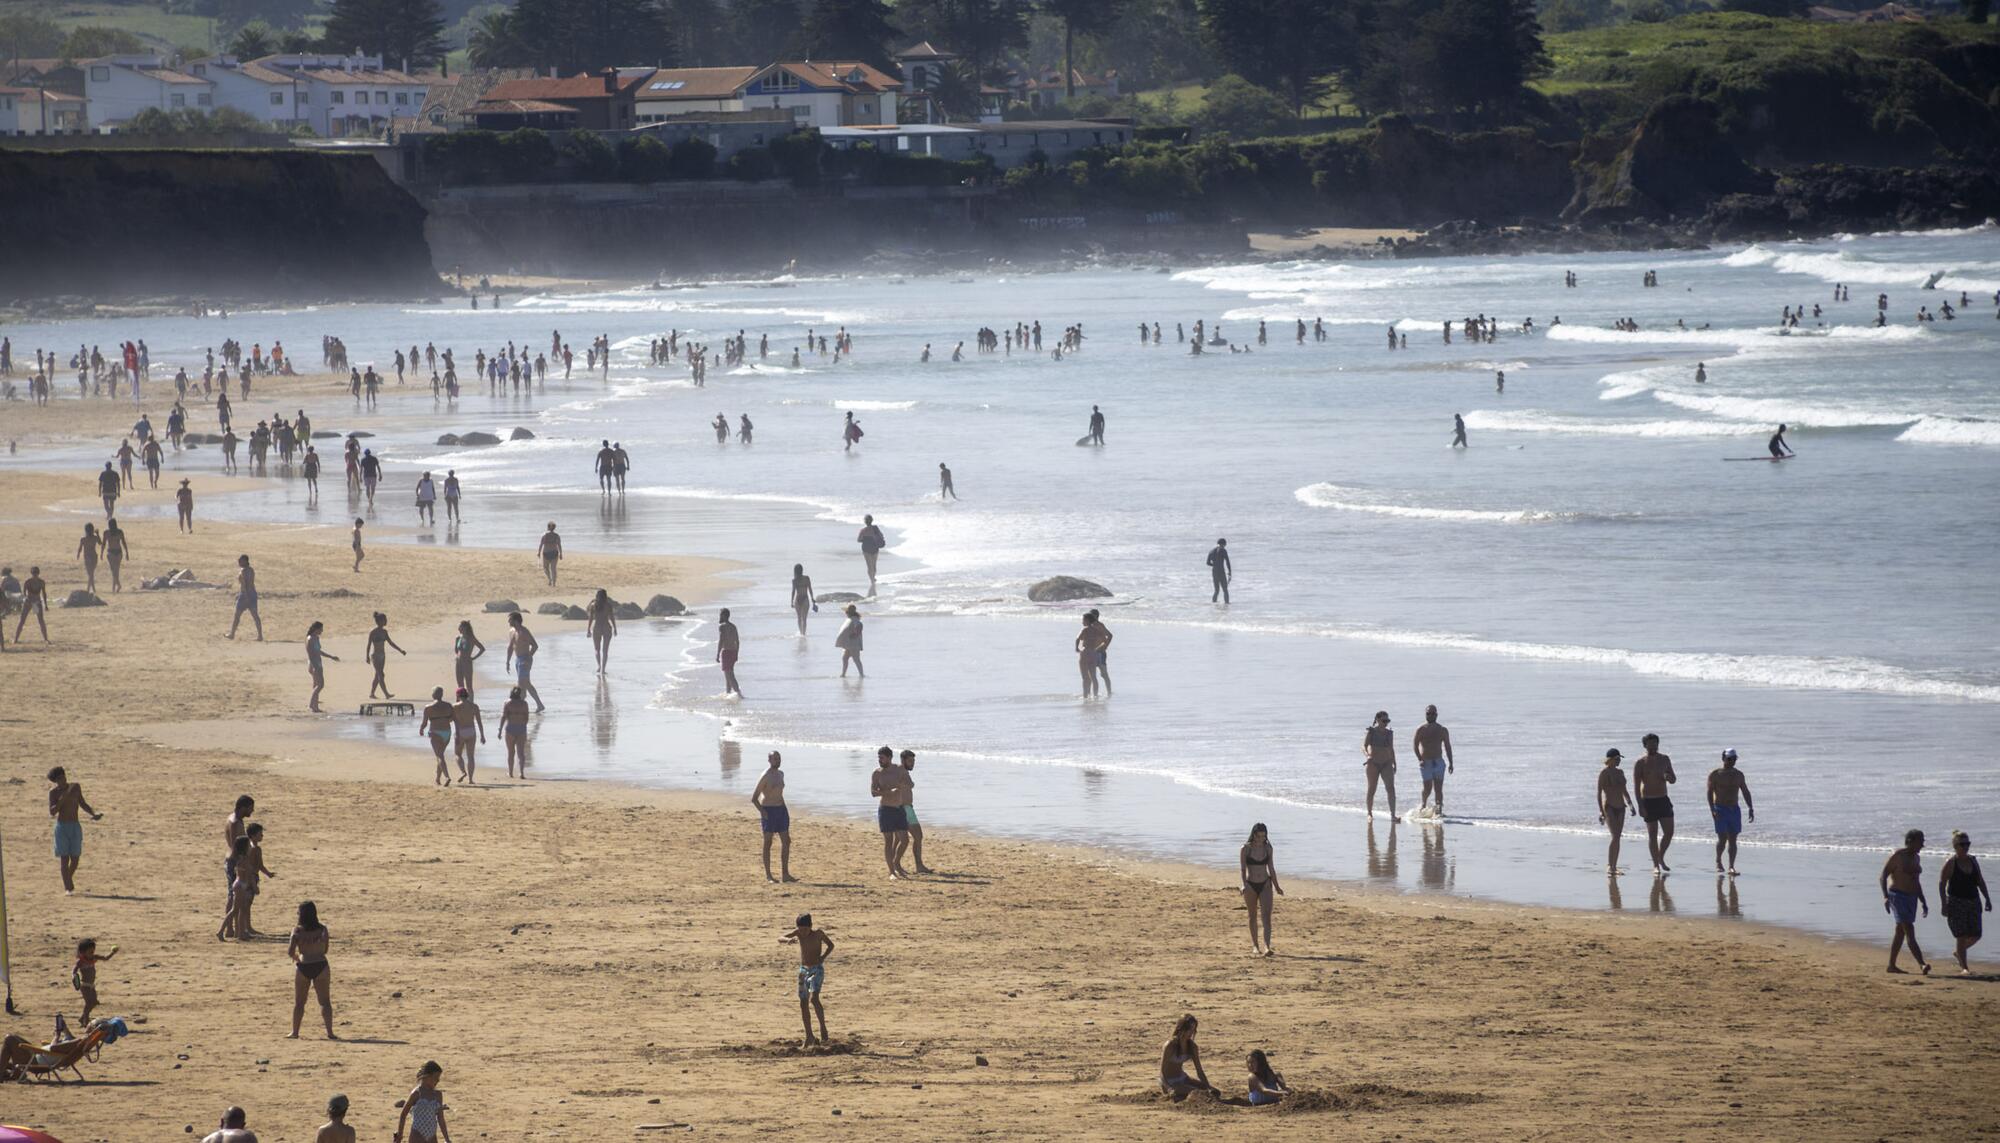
(910, 815)
(1728, 819)
(777, 819)
(811, 978)
(1431, 771)
(69, 839)
(891, 819)
(1905, 905)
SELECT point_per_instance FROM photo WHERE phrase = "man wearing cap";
(1613, 801)
(1652, 774)
(1724, 784)
(1432, 745)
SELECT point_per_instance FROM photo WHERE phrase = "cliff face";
(244, 225)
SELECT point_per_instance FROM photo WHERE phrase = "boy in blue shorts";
(814, 947)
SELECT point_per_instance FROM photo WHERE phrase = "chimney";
(610, 81)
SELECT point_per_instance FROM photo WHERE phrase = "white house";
(38, 111)
(261, 92)
(674, 91)
(342, 96)
(825, 93)
(119, 87)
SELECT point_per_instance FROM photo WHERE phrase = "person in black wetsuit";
(1779, 449)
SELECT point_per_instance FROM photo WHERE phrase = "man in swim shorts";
(888, 784)
(814, 947)
(1651, 775)
(1432, 744)
(909, 760)
(1724, 784)
(521, 648)
(65, 799)
(1902, 883)
(774, 816)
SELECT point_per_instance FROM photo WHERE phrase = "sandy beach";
(592, 961)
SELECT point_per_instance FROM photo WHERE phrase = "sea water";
(1593, 567)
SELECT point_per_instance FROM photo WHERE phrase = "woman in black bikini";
(308, 952)
(1960, 886)
(1260, 884)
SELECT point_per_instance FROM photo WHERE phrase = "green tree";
(400, 31)
(691, 158)
(232, 14)
(586, 37)
(956, 90)
(88, 41)
(1242, 110)
(1976, 11)
(751, 164)
(1575, 15)
(1078, 16)
(494, 43)
(1288, 45)
(699, 32)
(981, 31)
(29, 34)
(763, 30)
(252, 41)
(1476, 54)
(590, 156)
(849, 30)
(643, 160)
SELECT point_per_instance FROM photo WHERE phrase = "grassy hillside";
(150, 22)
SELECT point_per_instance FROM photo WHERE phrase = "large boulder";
(837, 597)
(81, 598)
(1057, 589)
(575, 612)
(551, 608)
(520, 434)
(448, 439)
(478, 439)
(501, 606)
(324, 434)
(665, 605)
(628, 611)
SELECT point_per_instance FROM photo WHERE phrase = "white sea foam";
(1844, 266)
(1343, 499)
(856, 406)
(1691, 338)
(1953, 431)
(1537, 422)
(1767, 411)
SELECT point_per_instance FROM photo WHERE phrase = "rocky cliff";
(244, 226)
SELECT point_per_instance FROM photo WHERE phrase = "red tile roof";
(520, 107)
(696, 82)
(574, 87)
(166, 75)
(837, 73)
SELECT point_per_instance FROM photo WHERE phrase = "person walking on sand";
(1652, 774)
(108, 486)
(423, 1110)
(514, 731)
(314, 668)
(86, 550)
(944, 483)
(427, 499)
(1432, 746)
(377, 655)
(886, 784)
(184, 507)
(1259, 872)
(357, 543)
(550, 550)
(1961, 884)
(728, 645)
(309, 468)
(601, 620)
(1902, 884)
(774, 817)
(814, 947)
(1378, 749)
(246, 598)
(872, 542)
(521, 648)
(1613, 801)
(1219, 571)
(909, 760)
(466, 720)
(849, 642)
(66, 800)
(83, 975)
(802, 595)
(335, 1130)
(1180, 1054)
(435, 724)
(34, 601)
(452, 489)
(307, 952)
(465, 650)
(1724, 784)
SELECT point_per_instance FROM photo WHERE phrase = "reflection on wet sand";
(1617, 902)
(1439, 870)
(732, 756)
(1727, 904)
(604, 719)
(1662, 901)
(1382, 859)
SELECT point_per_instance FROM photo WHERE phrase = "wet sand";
(573, 951)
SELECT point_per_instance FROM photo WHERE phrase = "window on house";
(277, 99)
(100, 75)
(668, 85)
(801, 113)
(382, 97)
(304, 97)
(782, 81)
(201, 69)
(403, 97)
(205, 99)
(177, 100)
(340, 97)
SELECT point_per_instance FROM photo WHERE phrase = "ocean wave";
(1535, 422)
(1846, 267)
(857, 406)
(1953, 431)
(1727, 338)
(1769, 411)
(1343, 499)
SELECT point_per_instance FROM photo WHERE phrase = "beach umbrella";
(25, 1135)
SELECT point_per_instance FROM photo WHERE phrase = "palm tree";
(493, 42)
(253, 41)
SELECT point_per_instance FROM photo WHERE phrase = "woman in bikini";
(802, 595)
(378, 654)
(1960, 887)
(307, 951)
(87, 549)
(1179, 1055)
(424, 1110)
(115, 551)
(602, 625)
(1260, 884)
(438, 719)
(514, 730)
(464, 650)
(1266, 1085)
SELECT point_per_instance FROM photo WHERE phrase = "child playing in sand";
(814, 947)
(336, 1129)
(247, 871)
(1266, 1085)
(357, 543)
(83, 977)
(424, 1109)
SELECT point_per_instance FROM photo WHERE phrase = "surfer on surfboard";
(1779, 449)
